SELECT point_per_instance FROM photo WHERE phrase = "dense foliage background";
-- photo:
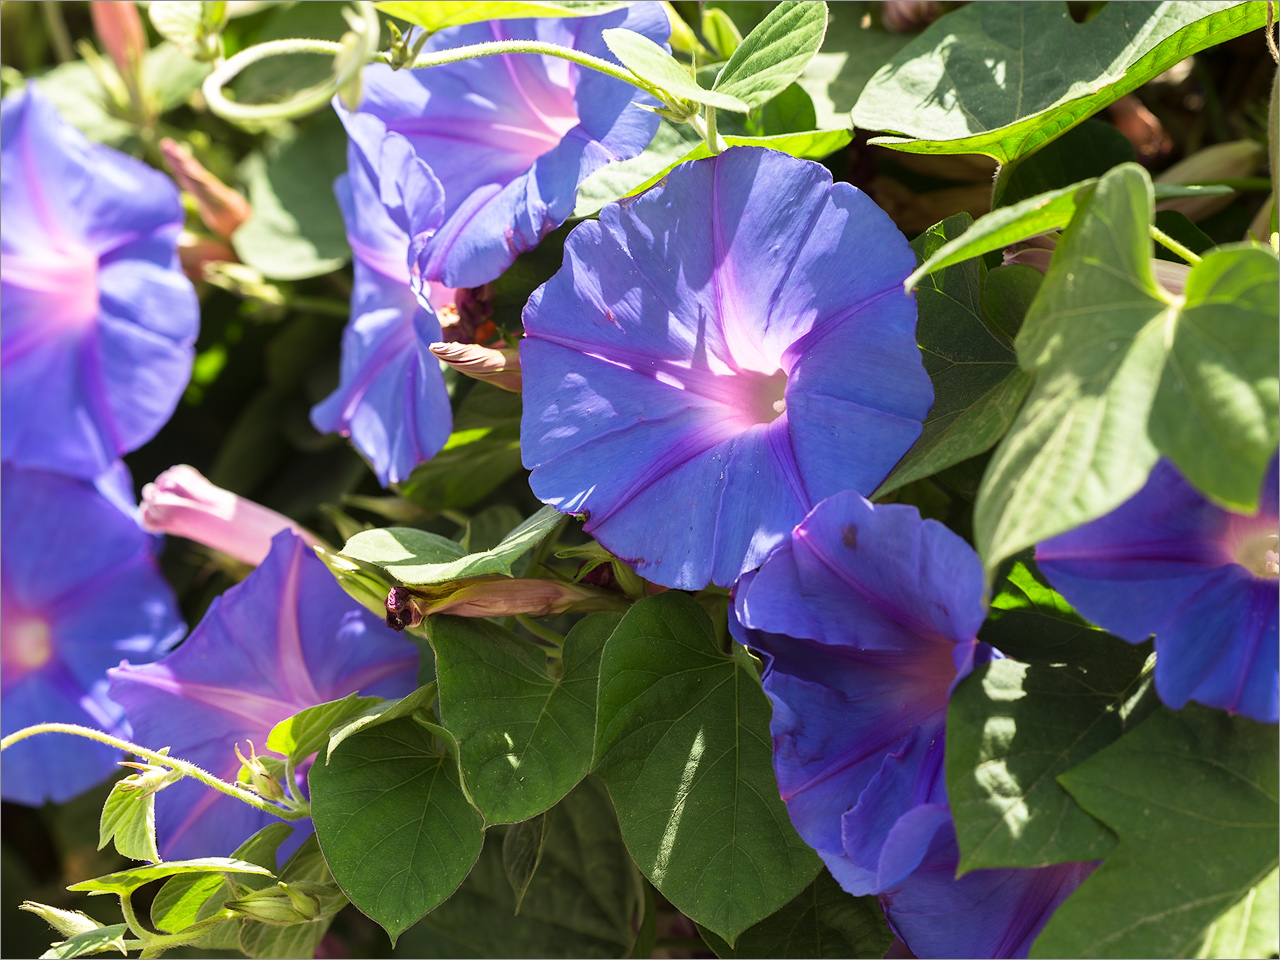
(274, 301)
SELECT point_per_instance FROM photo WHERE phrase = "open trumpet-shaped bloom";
(98, 322)
(867, 617)
(986, 913)
(79, 590)
(391, 400)
(286, 638)
(508, 139)
(715, 357)
(1201, 578)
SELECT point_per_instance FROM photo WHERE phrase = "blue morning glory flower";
(508, 139)
(715, 357)
(986, 913)
(286, 638)
(1201, 578)
(866, 617)
(391, 400)
(98, 322)
(79, 590)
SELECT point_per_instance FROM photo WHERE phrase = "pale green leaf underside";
(1003, 79)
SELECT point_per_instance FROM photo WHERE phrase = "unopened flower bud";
(262, 780)
(221, 208)
(1037, 252)
(198, 252)
(120, 31)
(499, 367)
(505, 597)
(183, 503)
(402, 611)
(1222, 161)
(908, 16)
(281, 906)
(69, 923)
(150, 778)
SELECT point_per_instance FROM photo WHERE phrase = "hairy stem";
(1173, 245)
(182, 766)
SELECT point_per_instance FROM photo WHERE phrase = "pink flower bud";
(183, 503)
(493, 596)
(221, 208)
(1141, 127)
(119, 29)
(1037, 252)
(499, 367)
(909, 16)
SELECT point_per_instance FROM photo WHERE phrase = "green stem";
(714, 143)
(1243, 184)
(313, 98)
(1173, 245)
(182, 766)
(539, 631)
(152, 942)
(304, 101)
(57, 27)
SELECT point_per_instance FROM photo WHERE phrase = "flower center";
(758, 397)
(27, 644)
(1259, 553)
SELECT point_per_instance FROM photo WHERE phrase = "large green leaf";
(636, 176)
(482, 452)
(524, 739)
(1192, 796)
(126, 881)
(977, 386)
(653, 64)
(1051, 210)
(296, 228)
(682, 741)
(393, 822)
(380, 713)
(583, 900)
(1125, 371)
(417, 557)
(852, 50)
(438, 14)
(307, 731)
(1251, 929)
(1006, 78)
(1013, 726)
(822, 921)
(775, 53)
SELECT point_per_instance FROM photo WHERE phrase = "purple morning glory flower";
(98, 322)
(715, 357)
(391, 400)
(508, 139)
(1201, 578)
(986, 913)
(866, 617)
(79, 589)
(284, 639)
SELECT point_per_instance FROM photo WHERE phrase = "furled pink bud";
(221, 208)
(494, 596)
(183, 503)
(1035, 252)
(499, 367)
(908, 16)
(1038, 252)
(119, 29)
(197, 251)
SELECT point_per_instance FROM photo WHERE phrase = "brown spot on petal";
(851, 537)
